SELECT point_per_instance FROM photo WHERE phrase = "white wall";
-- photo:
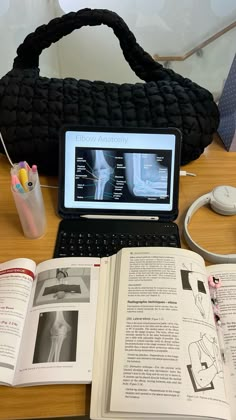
(164, 27)
(17, 19)
(160, 26)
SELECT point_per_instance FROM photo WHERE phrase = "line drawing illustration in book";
(205, 362)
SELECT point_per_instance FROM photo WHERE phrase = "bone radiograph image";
(94, 174)
(146, 177)
(113, 175)
(56, 337)
(102, 173)
(63, 285)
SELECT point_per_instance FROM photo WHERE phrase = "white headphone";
(223, 201)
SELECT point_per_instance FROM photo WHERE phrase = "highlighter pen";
(34, 174)
(23, 176)
(16, 184)
(34, 169)
(26, 165)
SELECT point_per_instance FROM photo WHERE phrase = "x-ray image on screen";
(145, 175)
(94, 174)
(112, 175)
(102, 173)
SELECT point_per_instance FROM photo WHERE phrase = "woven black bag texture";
(33, 108)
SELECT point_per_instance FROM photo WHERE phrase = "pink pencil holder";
(31, 211)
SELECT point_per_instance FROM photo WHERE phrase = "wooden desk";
(217, 233)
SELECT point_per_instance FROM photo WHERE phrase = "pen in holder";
(28, 199)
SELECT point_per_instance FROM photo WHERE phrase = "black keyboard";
(80, 244)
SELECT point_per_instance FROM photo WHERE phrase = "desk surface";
(216, 233)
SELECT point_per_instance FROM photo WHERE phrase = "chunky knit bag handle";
(140, 61)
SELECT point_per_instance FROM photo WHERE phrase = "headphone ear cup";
(218, 209)
(223, 200)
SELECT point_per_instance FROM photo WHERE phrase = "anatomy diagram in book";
(205, 362)
(56, 337)
(195, 282)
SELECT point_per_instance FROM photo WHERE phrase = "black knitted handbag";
(33, 108)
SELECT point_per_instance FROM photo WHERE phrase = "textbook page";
(103, 354)
(58, 339)
(166, 332)
(16, 278)
(226, 296)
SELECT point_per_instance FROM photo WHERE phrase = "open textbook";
(47, 321)
(158, 352)
(155, 351)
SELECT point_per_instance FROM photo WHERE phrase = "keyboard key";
(100, 245)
